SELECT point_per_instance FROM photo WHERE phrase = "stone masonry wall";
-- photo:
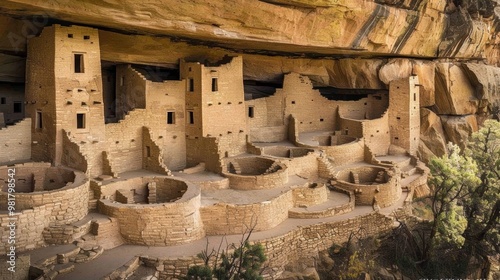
(65, 205)
(224, 218)
(309, 195)
(383, 195)
(301, 243)
(255, 179)
(29, 228)
(16, 142)
(163, 224)
(344, 153)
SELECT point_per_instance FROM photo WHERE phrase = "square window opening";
(80, 121)
(78, 63)
(3, 100)
(86, 37)
(18, 107)
(148, 151)
(70, 35)
(170, 117)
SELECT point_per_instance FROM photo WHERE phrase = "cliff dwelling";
(117, 155)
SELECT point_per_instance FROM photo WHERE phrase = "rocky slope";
(364, 44)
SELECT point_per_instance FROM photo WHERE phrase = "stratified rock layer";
(425, 28)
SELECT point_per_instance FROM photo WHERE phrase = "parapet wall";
(161, 224)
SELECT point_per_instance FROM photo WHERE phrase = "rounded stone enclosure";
(144, 190)
(37, 177)
(254, 173)
(62, 190)
(162, 211)
(371, 185)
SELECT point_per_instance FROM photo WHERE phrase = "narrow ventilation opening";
(215, 86)
(191, 85)
(39, 121)
(191, 117)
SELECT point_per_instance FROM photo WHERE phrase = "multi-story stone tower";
(64, 96)
(215, 107)
(404, 113)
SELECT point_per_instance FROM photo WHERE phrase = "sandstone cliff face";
(453, 46)
(424, 28)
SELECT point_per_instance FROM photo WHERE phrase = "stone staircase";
(97, 233)
(235, 168)
(273, 168)
(92, 200)
(325, 168)
(64, 262)
(355, 177)
(409, 173)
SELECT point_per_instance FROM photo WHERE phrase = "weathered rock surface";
(308, 274)
(459, 128)
(432, 136)
(455, 94)
(355, 27)
(486, 80)
(356, 73)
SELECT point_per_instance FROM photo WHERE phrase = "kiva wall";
(159, 224)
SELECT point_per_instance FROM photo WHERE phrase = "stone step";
(105, 232)
(93, 204)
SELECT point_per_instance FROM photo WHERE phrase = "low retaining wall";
(289, 248)
(160, 224)
(224, 218)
